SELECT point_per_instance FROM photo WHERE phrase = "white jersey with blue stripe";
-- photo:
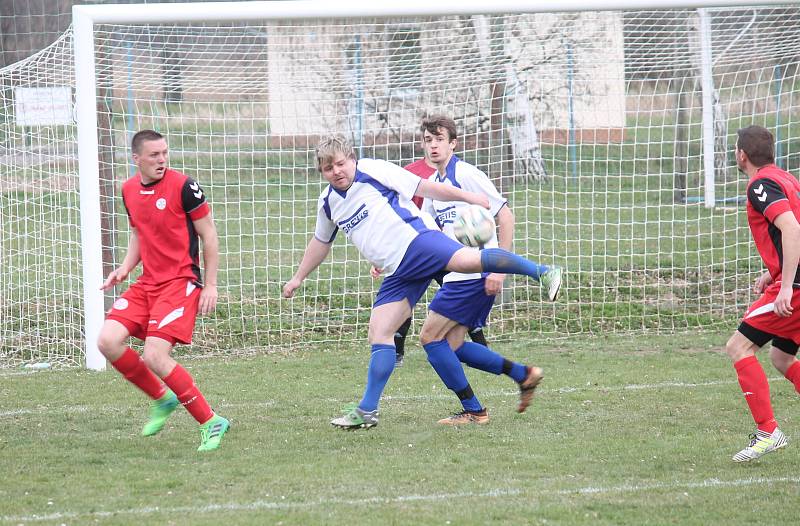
(467, 177)
(375, 213)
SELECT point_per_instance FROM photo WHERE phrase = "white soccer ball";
(474, 226)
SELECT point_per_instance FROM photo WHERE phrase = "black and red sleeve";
(768, 198)
(193, 199)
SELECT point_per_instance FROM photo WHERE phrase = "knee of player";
(781, 360)
(427, 335)
(155, 361)
(107, 343)
(736, 348)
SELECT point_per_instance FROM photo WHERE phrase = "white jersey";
(467, 177)
(375, 213)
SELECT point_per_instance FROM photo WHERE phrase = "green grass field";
(624, 430)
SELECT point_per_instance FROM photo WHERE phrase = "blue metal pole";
(359, 97)
(130, 126)
(778, 77)
(573, 153)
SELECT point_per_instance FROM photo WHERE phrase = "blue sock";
(447, 366)
(480, 357)
(505, 262)
(381, 365)
(483, 358)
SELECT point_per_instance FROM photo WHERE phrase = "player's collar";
(151, 183)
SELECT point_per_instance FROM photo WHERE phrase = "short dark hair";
(143, 136)
(758, 143)
(432, 123)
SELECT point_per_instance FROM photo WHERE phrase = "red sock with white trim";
(755, 387)
(182, 384)
(133, 368)
(793, 375)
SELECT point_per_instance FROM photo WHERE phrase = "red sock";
(755, 387)
(182, 384)
(793, 375)
(132, 367)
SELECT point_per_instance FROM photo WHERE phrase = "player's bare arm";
(207, 232)
(790, 240)
(762, 282)
(315, 254)
(505, 240)
(132, 258)
(446, 192)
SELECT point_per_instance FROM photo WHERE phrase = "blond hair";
(331, 145)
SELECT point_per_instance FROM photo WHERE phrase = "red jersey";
(771, 192)
(421, 169)
(162, 213)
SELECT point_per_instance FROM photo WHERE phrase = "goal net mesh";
(589, 123)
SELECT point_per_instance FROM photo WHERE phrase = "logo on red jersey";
(161, 204)
(761, 194)
(198, 193)
(121, 304)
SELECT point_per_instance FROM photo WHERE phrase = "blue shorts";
(426, 259)
(464, 301)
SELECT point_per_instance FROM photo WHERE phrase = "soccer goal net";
(610, 133)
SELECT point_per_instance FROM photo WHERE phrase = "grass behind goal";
(622, 431)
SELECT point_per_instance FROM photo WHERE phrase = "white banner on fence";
(43, 106)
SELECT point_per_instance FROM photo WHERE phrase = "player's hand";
(291, 286)
(480, 200)
(115, 277)
(494, 284)
(783, 302)
(375, 272)
(762, 282)
(208, 299)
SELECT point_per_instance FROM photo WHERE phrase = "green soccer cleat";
(211, 433)
(159, 412)
(551, 280)
(355, 418)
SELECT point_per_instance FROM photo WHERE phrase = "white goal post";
(607, 124)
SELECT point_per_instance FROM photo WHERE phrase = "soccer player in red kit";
(167, 212)
(773, 210)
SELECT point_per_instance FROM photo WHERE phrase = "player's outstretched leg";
(356, 418)
(505, 262)
(481, 357)
(211, 433)
(400, 341)
(762, 443)
(551, 280)
(160, 410)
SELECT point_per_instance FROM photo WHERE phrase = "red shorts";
(761, 315)
(167, 311)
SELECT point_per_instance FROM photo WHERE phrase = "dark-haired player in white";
(465, 299)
